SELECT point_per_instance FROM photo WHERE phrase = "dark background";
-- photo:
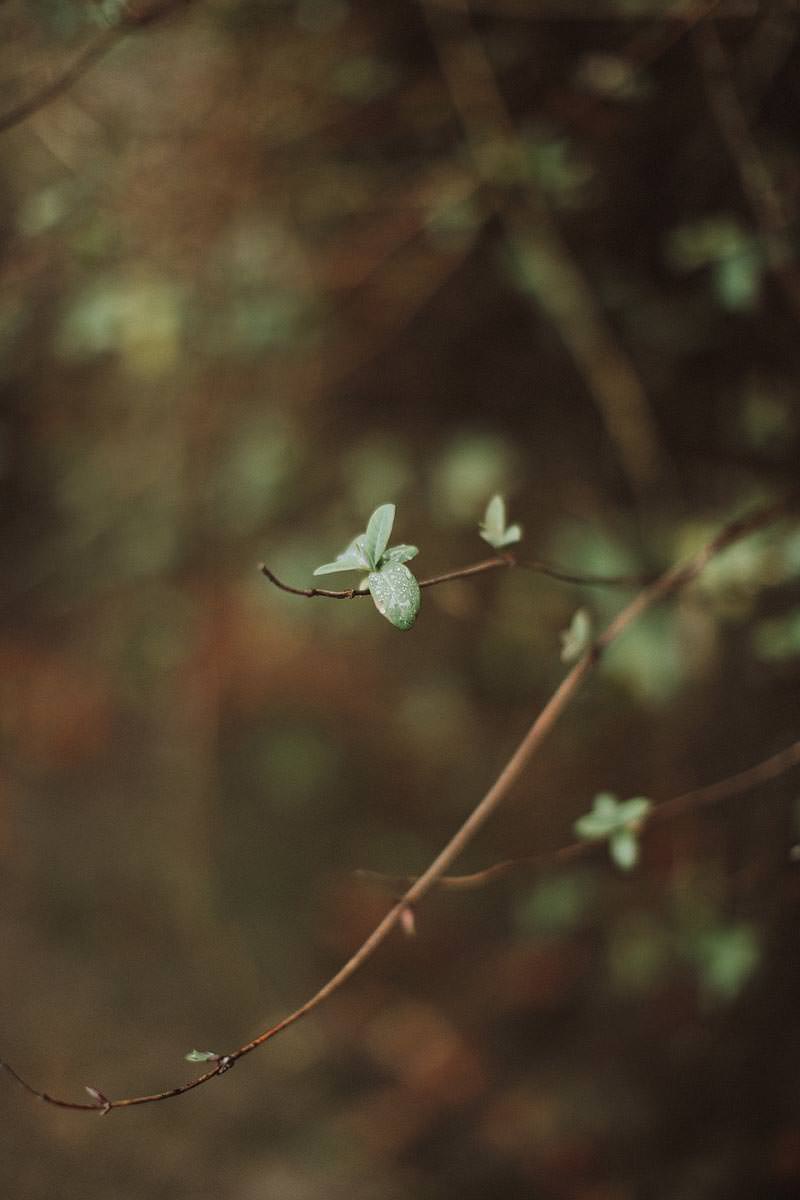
(265, 266)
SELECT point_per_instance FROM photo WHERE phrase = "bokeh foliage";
(257, 281)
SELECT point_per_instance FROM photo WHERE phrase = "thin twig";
(128, 22)
(724, 789)
(673, 579)
(562, 575)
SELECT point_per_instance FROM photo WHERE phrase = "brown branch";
(724, 789)
(560, 286)
(488, 564)
(128, 22)
(603, 10)
(673, 579)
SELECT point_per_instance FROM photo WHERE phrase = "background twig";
(714, 793)
(129, 21)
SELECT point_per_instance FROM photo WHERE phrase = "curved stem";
(672, 580)
(560, 574)
(713, 793)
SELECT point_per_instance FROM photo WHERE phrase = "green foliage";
(201, 1056)
(557, 905)
(392, 586)
(726, 958)
(575, 641)
(493, 528)
(618, 823)
(734, 257)
(470, 467)
(778, 638)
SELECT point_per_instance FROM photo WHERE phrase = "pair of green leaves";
(493, 527)
(392, 586)
(617, 822)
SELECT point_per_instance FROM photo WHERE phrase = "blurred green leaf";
(624, 847)
(493, 526)
(576, 640)
(602, 820)
(776, 639)
(737, 279)
(726, 959)
(619, 823)
(557, 904)
(471, 466)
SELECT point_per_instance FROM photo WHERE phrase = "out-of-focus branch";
(480, 568)
(130, 20)
(606, 10)
(671, 581)
(560, 286)
(766, 203)
(714, 793)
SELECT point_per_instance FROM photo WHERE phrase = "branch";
(488, 564)
(560, 286)
(671, 581)
(713, 793)
(604, 10)
(128, 22)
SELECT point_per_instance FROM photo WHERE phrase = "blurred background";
(265, 264)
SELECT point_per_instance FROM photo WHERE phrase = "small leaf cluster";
(391, 584)
(493, 527)
(389, 581)
(619, 822)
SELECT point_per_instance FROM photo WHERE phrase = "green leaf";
(601, 821)
(494, 519)
(341, 564)
(201, 1056)
(396, 594)
(512, 534)
(618, 823)
(633, 812)
(379, 529)
(624, 847)
(575, 640)
(400, 554)
(493, 526)
(352, 558)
